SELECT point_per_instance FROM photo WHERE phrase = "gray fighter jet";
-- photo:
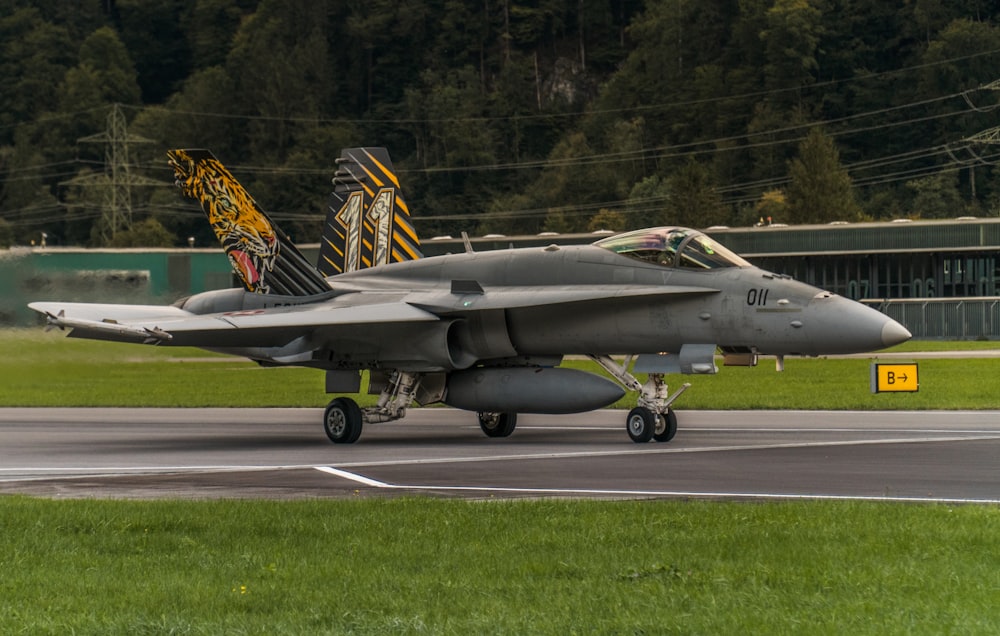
(485, 332)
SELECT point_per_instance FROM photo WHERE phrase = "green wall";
(109, 276)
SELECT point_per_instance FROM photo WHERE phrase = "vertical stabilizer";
(262, 255)
(368, 222)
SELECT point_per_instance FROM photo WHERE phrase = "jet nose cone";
(833, 325)
(894, 333)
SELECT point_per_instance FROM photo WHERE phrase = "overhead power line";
(118, 179)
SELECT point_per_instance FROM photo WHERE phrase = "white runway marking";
(657, 449)
(90, 472)
(361, 479)
(586, 492)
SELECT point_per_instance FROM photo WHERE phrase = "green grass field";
(48, 369)
(438, 566)
(414, 566)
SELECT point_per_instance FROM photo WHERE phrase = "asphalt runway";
(944, 456)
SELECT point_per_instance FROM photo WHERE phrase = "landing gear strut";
(343, 419)
(652, 418)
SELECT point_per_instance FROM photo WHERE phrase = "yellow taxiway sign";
(894, 377)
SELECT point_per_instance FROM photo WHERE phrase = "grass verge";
(440, 566)
(47, 369)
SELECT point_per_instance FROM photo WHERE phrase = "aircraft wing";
(260, 327)
(351, 312)
(468, 296)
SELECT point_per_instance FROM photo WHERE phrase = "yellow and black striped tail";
(367, 221)
(263, 256)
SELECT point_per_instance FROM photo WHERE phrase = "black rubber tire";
(640, 424)
(497, 424)
(668, 422)
(342, 421)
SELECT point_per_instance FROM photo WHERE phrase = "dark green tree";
(450, 125)
(819, 190)
(540, 108)
(386, 42)
(649, 203)
(6, 233)
(790, 40)
(575, 187)
(210, 26)
(202, 114)
(279, 66)
(772, 205)
(153, 33)
(936, 196)
(104, 58)
(34, 57)
(146, 233)
(671, 39)
(954, 63)
(694, 200)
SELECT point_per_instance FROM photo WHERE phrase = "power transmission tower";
(988, 136)
(117, 180)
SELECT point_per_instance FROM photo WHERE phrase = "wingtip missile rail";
(146, 335)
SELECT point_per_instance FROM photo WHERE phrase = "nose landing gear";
(652, 418)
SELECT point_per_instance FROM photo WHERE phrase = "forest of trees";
(502, 116)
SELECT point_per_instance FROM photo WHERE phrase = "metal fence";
(976, 318)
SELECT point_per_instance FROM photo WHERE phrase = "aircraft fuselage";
(748, 309)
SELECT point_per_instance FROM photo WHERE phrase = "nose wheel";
(666, 426)
(640, 424)
(643, 424)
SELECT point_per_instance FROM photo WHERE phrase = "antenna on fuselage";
(467, 242)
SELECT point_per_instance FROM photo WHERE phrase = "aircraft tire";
(640, 424)
(497, 424)
(342, 421)
(666, 426)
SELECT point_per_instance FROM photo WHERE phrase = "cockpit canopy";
(673, 247)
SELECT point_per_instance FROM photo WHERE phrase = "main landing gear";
(652, 419)
(497, 424)
(344, 419)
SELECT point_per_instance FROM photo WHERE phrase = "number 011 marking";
(757, 297)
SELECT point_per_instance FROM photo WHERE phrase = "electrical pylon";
(117, 180)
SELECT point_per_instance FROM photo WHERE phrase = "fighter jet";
(487, 331)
